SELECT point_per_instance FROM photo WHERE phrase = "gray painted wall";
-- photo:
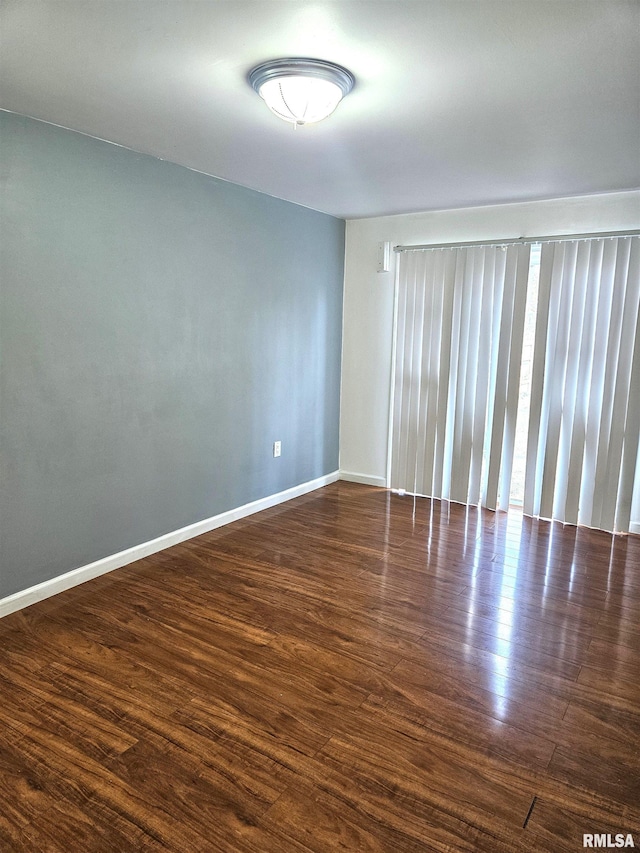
(159, 329)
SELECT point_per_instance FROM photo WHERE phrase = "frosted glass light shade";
(301, 100)
(301, 91)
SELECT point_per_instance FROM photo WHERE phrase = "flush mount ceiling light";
(301, 91)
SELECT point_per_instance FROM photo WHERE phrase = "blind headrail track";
(555, 238)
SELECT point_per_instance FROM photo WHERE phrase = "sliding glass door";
(461, 317)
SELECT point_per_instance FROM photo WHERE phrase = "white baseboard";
(634, 527)
(100, 567)
(366, 479)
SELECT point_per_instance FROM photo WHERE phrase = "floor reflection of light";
(500, 707)
(572, 575)
(611, 558)
(430, 537)
(472, 592)
(500, 687)
(503, 645)
(466, 528)
(547, 564)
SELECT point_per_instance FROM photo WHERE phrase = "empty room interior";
(319, 426)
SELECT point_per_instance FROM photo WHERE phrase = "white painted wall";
(368, 301)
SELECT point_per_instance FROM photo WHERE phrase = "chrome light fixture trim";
(286, 86)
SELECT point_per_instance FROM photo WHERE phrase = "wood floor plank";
(496, 694)
(622, 682)
(203, 798)
(71, 720)
(323, 821)
(561, 830)
(481, 732)
(608, 770)
(65, 827)
(451, 649)
(23, 789)
(518, 647)
(589, 713)
(348, 671)
(243, 717)
(427, 811)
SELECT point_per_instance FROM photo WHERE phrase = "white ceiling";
(457, 102)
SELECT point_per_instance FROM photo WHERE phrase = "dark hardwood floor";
(332, 674)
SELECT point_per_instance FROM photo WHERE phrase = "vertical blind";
(460, 318)
(458, 353)
(585, 397)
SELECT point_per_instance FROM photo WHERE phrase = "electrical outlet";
(277, 448)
